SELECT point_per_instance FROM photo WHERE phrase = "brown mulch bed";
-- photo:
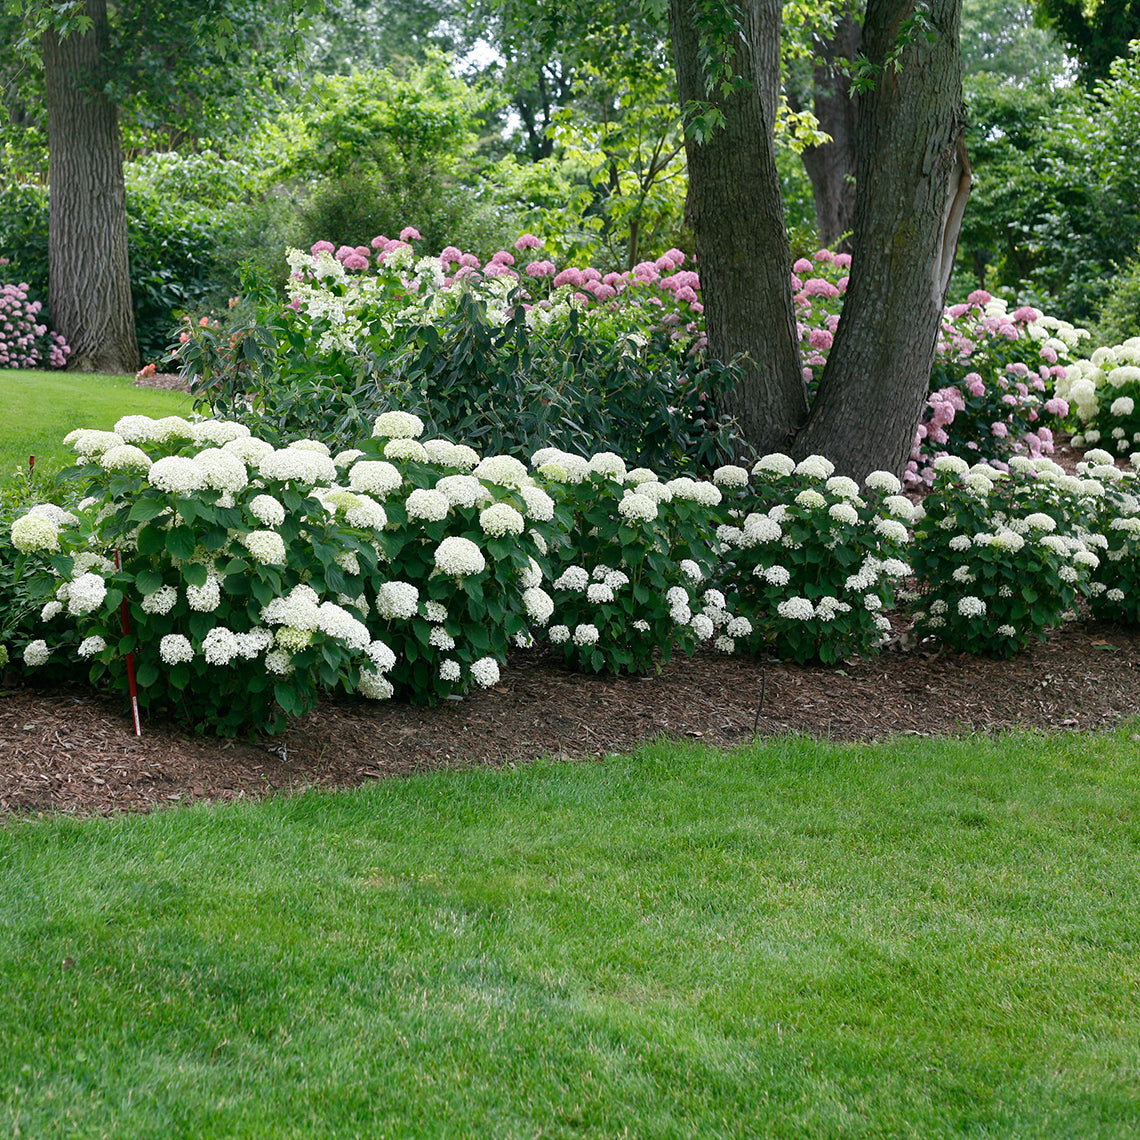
(73, 750)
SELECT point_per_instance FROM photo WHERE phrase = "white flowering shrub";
(1003, 556)
(810, 559)
(1103, 392)
(628, 579)
(211, 558)
(460, 557)
(1114, 526)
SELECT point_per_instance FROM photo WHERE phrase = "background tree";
(1095, 31)
(176, 69)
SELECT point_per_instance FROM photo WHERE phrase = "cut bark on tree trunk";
(89, 289)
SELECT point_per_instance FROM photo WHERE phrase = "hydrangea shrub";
(810, 560)
(1104, 391)
(1003, 556)
(25, 341)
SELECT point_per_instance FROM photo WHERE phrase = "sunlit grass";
(794, 939)
(40, 408)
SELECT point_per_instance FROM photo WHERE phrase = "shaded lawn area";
(793, 939)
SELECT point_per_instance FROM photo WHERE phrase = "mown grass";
(795, 939)
(40, 408)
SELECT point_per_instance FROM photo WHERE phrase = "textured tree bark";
(913, 181)
(89, 289)
(831, 168)
(737, 216)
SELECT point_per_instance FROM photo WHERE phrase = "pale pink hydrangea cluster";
(25, 342)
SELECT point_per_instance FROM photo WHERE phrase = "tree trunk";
(913, 181)
(737, 216)
(831, 168)
(89, 289)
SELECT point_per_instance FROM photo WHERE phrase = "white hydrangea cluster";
(459, 557)
(176, 475)
(125, 457)
(33, 531)
(175, 648)
(501, 519)
(730, 475)
(205, 598)
(585, 634)
(298, 465)
(86, 593)
(222, 470)
(267, 510)
(774, 465)
(406, 449)
(637, 507)
(162, 601)
(266, 547)
(502, 470)
(397, 601)
(462, 490)
(427, 504)
(397, 425)
(374, 477)
(485, 672)
(90, 646)
(573, 578)
(607, 464)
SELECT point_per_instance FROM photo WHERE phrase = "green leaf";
(146, 674)
(148, 582)
(181, 543)
(146, 509)
(152, 540)
(196, 574)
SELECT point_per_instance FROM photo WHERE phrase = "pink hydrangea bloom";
(528, 241)
(379, 242)
(843, 261)
(409, 233)
(802, 266)
(1057, 406)
(469, 261)
(956, 311)
(818, 287)
(823, 255)
(355, 261)
(541, 269)
(1049, 353)
(686, 294)
(568, 276)
(449, 255)
(974, 384)
(502, 258)
(999, 429)
(321, 247)
(979, 297)
(820, 338)
(1025, 314)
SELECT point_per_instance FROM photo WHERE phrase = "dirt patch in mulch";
(73, 750)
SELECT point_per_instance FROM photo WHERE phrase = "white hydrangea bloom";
(347, 457)
(843, 513)
(572, 578)
(842, 486)
(503, 470)
(531, 575)
(205, 598)
(738, 627)
(249, 449)
(219, 646)
(971, 606)
(366, 514)
(250, 644)
(730, 475)
(374, 687)
(557, 634)
(891, 529)
(774, 464)
(462, 490)
(51, 610)
(598, 593)
(815, 467)
(690, 569)
(161, 601)
(397, 425)
(811, 500)
(125, 457)
(440, 638)
(175, 648)
(89, 646)
(406, 449)
(702, 626)
(883, 481)
(585, 634)
(266, 509)
(87, 441)
(374, 477)
(430, 505)
(33, 532)
(774, 575)
(177, 475)
(608, 464)
(485, 672)
(135, 429)
(500, 519)
(539, 505)
(217, 432)
(397, 600)
(539, 605)
(449, 670)
(641, 475)
(951, 464)
(656, 492)
(459, 557)
(796, 609)
(86, 594)
(637, 506)
(266, 547)
(297, 465)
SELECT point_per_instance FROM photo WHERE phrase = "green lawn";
(40, 408)
(914, 939)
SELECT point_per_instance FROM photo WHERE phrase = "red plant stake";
(131, 684)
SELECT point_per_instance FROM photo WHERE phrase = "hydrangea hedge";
(241, 580)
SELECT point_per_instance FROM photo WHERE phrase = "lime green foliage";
(793, 939)
(40, 408)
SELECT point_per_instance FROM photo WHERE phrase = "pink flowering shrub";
(24, 341)
(992, 386)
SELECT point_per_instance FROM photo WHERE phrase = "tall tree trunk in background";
(89, 288)
(831, 168)
(737, 215)
(913, 181)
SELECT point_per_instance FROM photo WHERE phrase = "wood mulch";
(73, 750)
